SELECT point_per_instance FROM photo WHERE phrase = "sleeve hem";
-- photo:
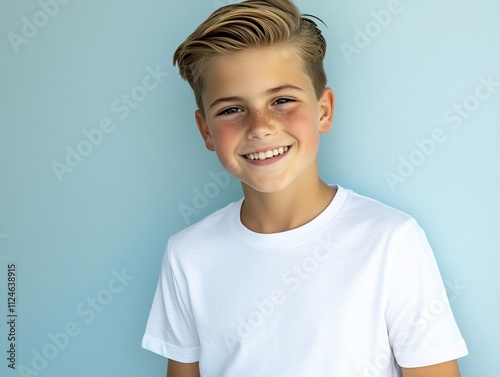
(434, 356)
(169, 351)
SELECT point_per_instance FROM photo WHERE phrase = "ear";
(326, 106)
(204, 130)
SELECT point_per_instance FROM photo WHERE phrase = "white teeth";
(267, 154)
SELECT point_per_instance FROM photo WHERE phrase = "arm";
(448, 369)
(176, 369)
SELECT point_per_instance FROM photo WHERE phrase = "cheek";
(304, 127)
(225, 142)
(223, 137)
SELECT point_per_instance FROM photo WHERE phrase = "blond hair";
(252, 23)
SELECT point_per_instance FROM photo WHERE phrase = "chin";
(267, 187)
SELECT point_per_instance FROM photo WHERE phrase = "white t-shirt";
(353, 293)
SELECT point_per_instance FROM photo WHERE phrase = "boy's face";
(261, 103)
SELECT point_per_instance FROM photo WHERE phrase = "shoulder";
(212, 229)
(374, 231)
(370, 222)
(362, 209)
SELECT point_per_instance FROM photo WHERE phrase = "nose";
(260, 125)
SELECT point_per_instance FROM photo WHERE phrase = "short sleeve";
(421, 327)
(170, 330)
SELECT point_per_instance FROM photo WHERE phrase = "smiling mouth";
(267, 154)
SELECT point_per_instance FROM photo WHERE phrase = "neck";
(290, 208)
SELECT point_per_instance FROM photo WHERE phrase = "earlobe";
(204, 130)
(326, 108)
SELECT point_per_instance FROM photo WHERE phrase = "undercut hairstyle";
(252, 23)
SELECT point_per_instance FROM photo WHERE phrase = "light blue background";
(117, 208)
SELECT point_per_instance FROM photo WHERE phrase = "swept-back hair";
(252, 23)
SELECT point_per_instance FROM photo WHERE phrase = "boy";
(299, 278)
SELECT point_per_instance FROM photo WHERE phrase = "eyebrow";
(266, 92)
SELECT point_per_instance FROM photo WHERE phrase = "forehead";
(254, 71)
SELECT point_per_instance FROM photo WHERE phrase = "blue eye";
(229, 111)
(282, 101)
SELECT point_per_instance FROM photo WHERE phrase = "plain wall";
(417, 126)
